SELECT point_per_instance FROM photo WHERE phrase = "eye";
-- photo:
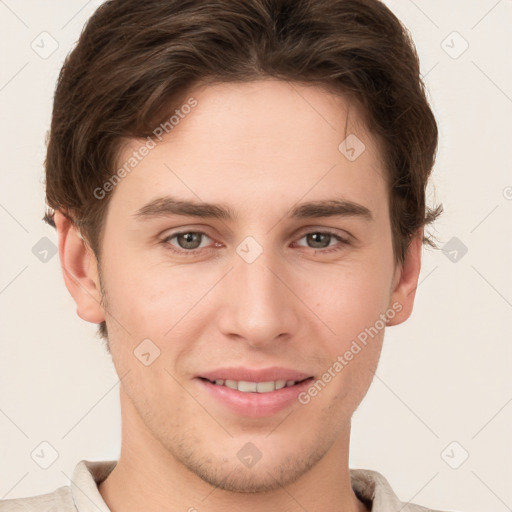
(190, 243)
(321, 240)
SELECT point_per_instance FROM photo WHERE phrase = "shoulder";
(81, 495)
(372, 487)
(59, 500)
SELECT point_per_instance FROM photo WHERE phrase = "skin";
(259, 148)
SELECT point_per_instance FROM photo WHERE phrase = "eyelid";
(323, 229)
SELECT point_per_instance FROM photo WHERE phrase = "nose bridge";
(260, 306)
(259, 281)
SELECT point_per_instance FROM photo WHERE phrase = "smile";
(255, 387)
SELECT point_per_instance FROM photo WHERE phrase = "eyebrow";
(168, 206)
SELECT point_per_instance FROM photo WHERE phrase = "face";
(271, 290)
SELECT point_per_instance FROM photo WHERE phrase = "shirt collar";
(84, 485)
(370, 486)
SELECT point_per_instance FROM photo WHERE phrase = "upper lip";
(239, 373)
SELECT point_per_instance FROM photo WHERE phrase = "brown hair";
(135, 61)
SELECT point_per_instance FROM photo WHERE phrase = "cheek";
(351, 306)
(147, 312)
(156, 301)
(351, 298)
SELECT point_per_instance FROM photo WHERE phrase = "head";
(255, 108)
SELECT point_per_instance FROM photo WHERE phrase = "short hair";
(136, 61)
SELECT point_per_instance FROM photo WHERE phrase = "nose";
(258, 304)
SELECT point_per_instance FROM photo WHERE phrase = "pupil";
(190, 243)
(316, 238)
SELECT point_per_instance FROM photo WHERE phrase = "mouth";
(255, 387)
(254, 393)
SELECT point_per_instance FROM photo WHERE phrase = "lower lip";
(255, 404)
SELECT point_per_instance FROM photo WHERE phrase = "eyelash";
(194, 252)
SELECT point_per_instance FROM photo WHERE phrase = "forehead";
(264, 110)
(255, 143)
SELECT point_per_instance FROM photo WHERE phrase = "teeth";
(254, 387)
(264, 387)
(250, 386)
(233, 384)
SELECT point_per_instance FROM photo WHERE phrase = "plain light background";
(442, 391)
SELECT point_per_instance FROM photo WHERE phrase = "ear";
(405, 281)
(80, 270)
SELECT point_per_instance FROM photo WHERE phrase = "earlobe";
(406, 282)
(80, 270)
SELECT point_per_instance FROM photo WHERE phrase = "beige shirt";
(83, 496)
